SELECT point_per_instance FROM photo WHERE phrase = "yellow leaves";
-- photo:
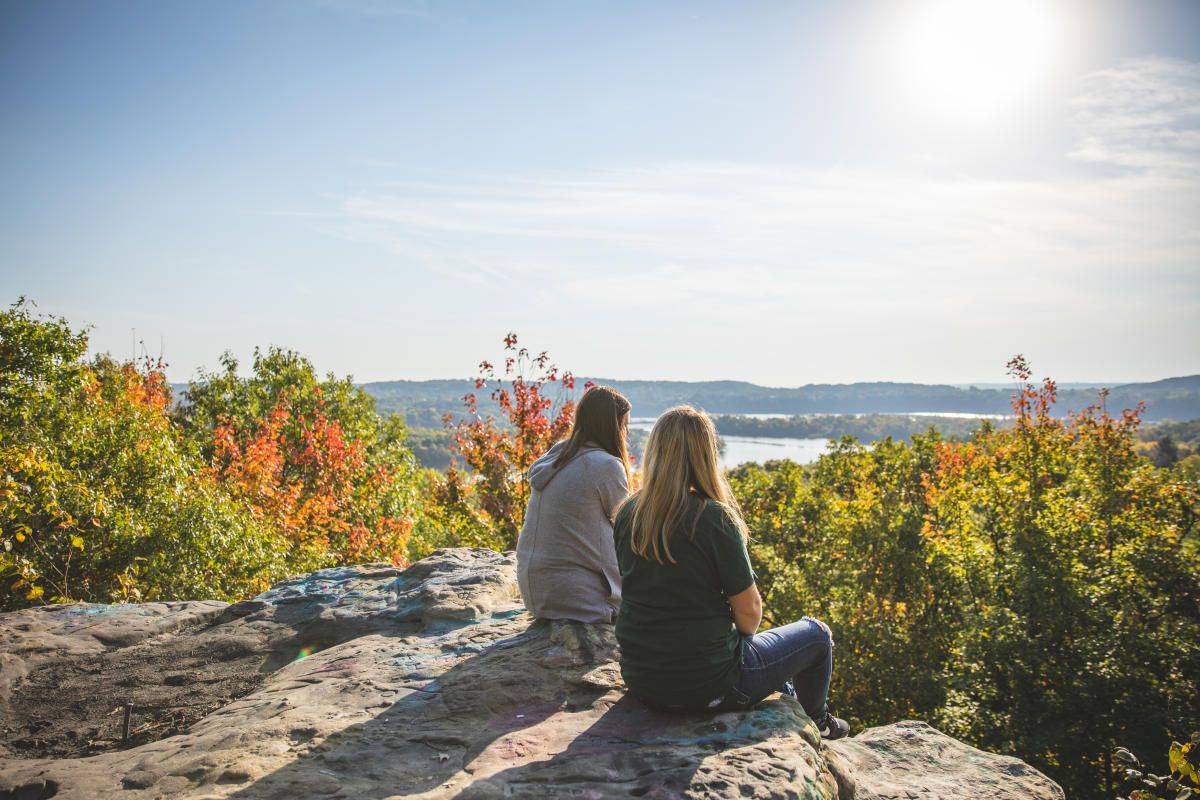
(128, 583)
(34, 593)
(77, 541)
(1180, 761)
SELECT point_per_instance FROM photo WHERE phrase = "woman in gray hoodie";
(566, 560)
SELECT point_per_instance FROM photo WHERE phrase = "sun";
(971, 59)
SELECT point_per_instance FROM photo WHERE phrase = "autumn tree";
(99, 498)
(1032, 590)
(531, 394)
(312, 459)
(1082, 626)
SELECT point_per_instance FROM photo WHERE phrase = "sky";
(779, 192)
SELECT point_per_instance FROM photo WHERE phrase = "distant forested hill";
(423, 402)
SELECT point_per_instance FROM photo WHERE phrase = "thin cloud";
(788, 221)
(1144, 114)
(796, 252)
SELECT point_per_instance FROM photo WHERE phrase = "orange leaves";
(299, 472)
(499, 453)
(953, 458)
(1096, 418)
(146, 386)
(342, 499)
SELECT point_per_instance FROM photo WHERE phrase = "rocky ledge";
(432, 682)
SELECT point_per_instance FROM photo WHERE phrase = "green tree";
(1166, 453)
(1081, 626)
(98, 499)
(843, 541)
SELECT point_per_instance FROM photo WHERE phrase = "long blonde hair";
(681, 469)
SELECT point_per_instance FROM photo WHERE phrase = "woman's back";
(678, 641)
(566, 565)
(688, 626)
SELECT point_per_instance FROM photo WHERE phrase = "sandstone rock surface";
(432, 682)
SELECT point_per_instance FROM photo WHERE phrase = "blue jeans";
(798, 655)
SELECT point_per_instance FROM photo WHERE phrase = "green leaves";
(1124, 756)
(105, 495)
(1031, 591)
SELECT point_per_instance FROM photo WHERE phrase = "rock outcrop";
(432, 682)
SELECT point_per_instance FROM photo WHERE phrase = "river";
(741, 449)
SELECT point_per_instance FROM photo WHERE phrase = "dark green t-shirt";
(675, 627)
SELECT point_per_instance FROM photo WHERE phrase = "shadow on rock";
(514, 697)
(434, 682)
(632, 751)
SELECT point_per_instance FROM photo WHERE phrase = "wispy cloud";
(959, 262)
(1144, 113)
(870, 232)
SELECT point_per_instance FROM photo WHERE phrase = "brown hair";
(681, 468)
(601, 418)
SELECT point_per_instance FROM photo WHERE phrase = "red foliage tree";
(301, 474)
(500, 453)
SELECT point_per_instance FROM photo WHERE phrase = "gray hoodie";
(566, 560)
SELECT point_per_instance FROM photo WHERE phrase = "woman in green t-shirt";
(690, 606)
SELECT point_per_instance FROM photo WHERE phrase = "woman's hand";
(747, 610)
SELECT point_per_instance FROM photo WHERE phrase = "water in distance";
(740, 449)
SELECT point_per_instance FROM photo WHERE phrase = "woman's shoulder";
(716, 516)
(595, 454)
(597, 459)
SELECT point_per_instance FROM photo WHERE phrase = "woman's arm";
(747, 610)
(611, 486)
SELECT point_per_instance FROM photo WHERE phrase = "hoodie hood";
(543, 470)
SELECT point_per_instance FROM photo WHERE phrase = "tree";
(106, 494)
(1079, 588)
(99, 500)
(1034, 590)
(843, 541)
(490, 509)
(1166, 453)
(311, 459)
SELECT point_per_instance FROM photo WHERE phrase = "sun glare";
(971, 60)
